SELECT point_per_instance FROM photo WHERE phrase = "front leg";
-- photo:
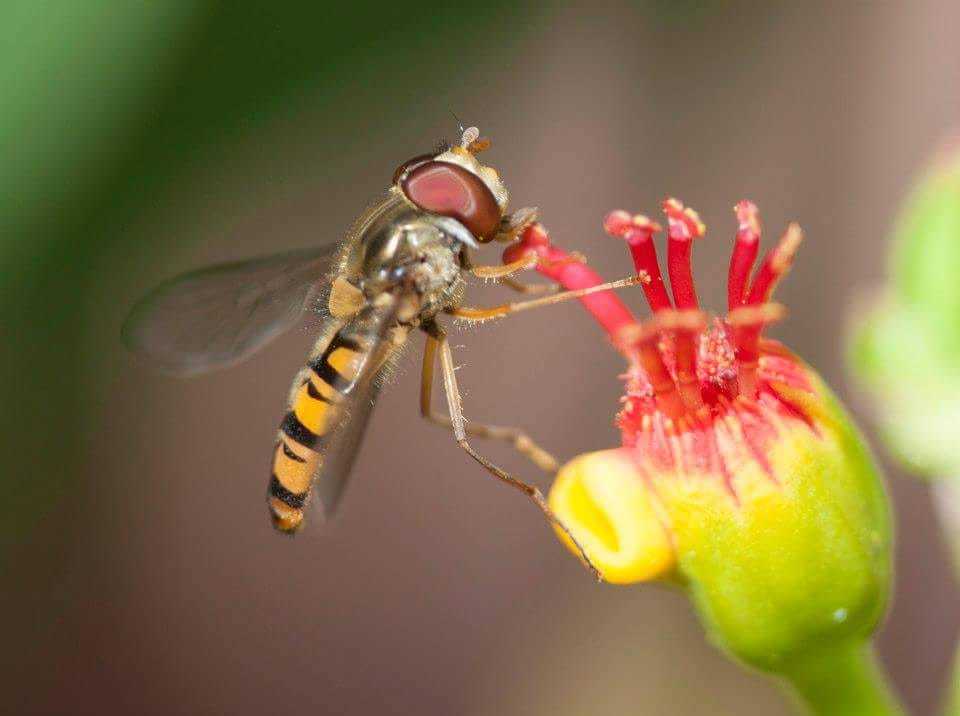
(503, 275)
(470, 313)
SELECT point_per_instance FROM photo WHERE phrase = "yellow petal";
(607, 507)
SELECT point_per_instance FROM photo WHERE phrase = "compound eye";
(450, 190)
(410, 164)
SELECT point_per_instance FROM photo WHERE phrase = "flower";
(739, 476)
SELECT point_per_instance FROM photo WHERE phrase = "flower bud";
(739, 476)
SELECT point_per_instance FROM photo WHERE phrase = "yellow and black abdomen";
(317, 429)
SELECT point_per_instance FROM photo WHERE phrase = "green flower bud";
(739, 478)
(768, 511)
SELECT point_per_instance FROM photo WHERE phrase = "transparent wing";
(215, 317)
(344, 444)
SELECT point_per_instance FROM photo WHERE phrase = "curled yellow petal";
(608, 509)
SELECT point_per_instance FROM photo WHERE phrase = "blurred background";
(139, 570)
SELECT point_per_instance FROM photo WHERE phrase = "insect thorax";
(413, 252)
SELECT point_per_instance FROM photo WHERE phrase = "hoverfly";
(402, 265)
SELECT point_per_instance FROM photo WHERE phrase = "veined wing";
(215, 317)
(330, 405)
(341, 451)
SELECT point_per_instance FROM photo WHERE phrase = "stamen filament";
(745, 249)
(747, 323)
(638, 232)
(683, 226)
(775, 266)
(666, 353)
(746, 337)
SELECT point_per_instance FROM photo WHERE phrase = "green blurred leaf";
(926, 254)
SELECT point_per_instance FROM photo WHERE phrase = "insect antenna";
(459, 122)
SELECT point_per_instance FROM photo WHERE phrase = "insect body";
(403, 264)
(343, 358)
(401, 269)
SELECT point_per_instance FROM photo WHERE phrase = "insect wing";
(218, 316)
(371, 329)
(343, 445)
(328, 410)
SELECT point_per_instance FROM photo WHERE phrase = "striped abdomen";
(322, 393)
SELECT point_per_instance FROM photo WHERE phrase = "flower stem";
(844, 680)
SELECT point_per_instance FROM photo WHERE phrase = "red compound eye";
(410, 164)
(450, 190)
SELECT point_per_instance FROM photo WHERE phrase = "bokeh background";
(139, 572)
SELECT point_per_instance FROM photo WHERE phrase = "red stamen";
(747, 323)
(608, 310)
(683, 226)
(775, 266)
(638, 232)
(665, 353)
(746, 336)
(745, 250)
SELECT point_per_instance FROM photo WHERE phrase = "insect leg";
(528, 288)
(518, 438)
(500, 271)
(503, 275)
(470, 313)
(460, 434)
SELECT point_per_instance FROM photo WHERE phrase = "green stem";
(844, 680)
